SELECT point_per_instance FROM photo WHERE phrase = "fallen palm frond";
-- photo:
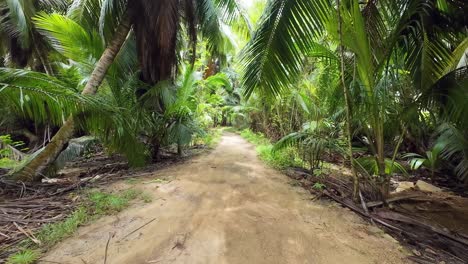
(28, 207)
(22, 218)
(414, 218)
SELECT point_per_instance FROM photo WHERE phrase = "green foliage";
(314, 140)
(8, 151)
(38, 96)
(402, 64)
(24, 257)
(106, 203)
(395, 54)
(126, 115)
(211, 138)
(273, 58)
(254, 138)
(319, 186)
(51, 234)
(370, 166)
(69, 38)
(430, 160)
(455, 148)
(278, 159)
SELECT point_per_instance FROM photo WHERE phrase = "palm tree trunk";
(34, 169)
(348, 108)
(385, 179)
(180, 150)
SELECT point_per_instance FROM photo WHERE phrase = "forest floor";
(226, 206)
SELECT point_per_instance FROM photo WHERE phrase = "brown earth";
(228, 207)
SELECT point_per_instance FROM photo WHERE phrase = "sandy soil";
(228, 207)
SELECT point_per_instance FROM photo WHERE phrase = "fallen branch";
(392, 200)
(402, 218)
(357, 210)
(5, 235)
(111, 235)
(137, 229)
(28, 234)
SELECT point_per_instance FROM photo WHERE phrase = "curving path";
(228, 207)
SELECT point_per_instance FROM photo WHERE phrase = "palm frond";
(291, 140)
(369, 164)
(233, 14)
(15, 20)
(70, 39)
(273, 59)
(112, 12)
(218, 80)
(86, 13)
(211, 28)
(455, 148)
(38, 96)
(53, 5)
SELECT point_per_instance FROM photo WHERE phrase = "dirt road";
(228, 207)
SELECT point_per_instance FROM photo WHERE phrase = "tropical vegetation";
(380, 84)
(378, 88)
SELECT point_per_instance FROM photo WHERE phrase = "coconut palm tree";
(156, 26)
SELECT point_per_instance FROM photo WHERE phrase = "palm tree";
(156, 27)
(373, 34)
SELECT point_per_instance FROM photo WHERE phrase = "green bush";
(255, 138)
(210, 139)
(280, 159)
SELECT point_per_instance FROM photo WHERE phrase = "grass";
(105, 203)
(231, 129)
(24, 257)
(212, 138)
(132, 181)
(51, 234)
(145, 197)
(279, 159)
(96, 204)
(157, 180)
(255, 138)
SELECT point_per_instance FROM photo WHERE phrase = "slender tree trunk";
(156, 149)
(348, 108)
(34, 170)
(180, 150)
(42, 58)
(384, 178)
(283, 131)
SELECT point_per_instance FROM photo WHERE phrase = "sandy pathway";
(228, 207)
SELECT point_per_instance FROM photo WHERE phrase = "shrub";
(281, 159)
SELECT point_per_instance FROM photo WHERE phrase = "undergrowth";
(211, 138)
(279, 159)
(27, 256)
(95, 205)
